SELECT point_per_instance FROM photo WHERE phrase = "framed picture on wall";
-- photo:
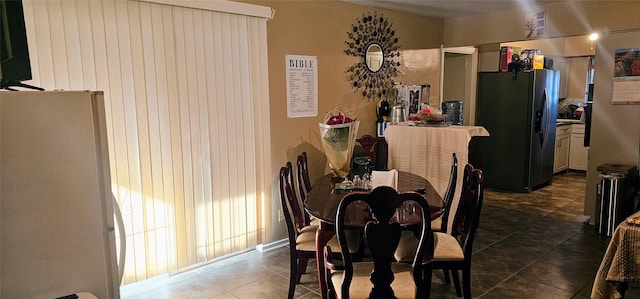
(413, 99)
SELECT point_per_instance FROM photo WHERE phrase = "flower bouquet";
(338, 135)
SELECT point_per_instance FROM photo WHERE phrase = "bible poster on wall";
(302, 86)
(626, 77)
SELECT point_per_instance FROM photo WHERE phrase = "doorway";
(458, 79)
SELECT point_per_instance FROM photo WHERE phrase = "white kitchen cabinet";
(561, 155)
(562, 64)
(578, 153)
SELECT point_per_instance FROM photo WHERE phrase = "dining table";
(323, 200)
(621, 262)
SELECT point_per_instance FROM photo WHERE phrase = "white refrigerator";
(57, 232)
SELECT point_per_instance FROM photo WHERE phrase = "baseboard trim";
(271, 246)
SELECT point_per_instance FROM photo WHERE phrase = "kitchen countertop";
(564, 122)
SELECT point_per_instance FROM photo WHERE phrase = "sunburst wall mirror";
(372, 38)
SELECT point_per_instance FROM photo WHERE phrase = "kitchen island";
(427, 151)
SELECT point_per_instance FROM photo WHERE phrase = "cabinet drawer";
(577, 129)
(563, 130)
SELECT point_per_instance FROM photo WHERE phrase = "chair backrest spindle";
(290, 199)
(304, 182)
(447, 200)
(467, 218)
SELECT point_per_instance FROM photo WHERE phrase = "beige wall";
(560, 46)
(577, 77)
(615, 128)
(319, 28)
(562, 20)
(421, 67)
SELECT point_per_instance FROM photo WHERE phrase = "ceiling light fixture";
(593, 37)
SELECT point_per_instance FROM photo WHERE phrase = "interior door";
(458, 79)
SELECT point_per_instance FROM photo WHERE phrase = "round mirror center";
(374, 58)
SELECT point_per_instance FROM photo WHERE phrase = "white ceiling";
(445, 9)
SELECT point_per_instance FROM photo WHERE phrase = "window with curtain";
(188, 146)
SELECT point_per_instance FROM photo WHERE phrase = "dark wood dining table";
(621, 262)
(322, 203)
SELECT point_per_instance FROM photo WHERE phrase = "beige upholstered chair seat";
(361, 285)
(453, 250)
(306, 240)
(436, 224)
(309, 228)
(447, 247)
(347, 278)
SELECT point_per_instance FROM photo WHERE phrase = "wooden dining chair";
(377, 149)
(453, 250)
(304, 184)
(440, 224)
(301, 234)
(302, 245)
(381, 277)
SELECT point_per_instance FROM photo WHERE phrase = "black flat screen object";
(14, 51)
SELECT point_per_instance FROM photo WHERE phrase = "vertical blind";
(184, 91)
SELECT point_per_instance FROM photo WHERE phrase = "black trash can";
(615, 198)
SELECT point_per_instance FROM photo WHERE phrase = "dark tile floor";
(528, 246)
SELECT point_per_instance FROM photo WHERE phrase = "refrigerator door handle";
(547, 117)
(123, 237)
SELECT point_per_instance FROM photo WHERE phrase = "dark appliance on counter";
(519, 110)
(454, 110)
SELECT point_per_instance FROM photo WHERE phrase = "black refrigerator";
(519, 110)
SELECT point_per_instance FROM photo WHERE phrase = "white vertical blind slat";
(244, 161)
(217, 128)
(195, 184)
(142, 46)
(200, 158)
(72, 40)
(252, 162)
(165, 179)
(226, 165)
(262, 142)
(209, 76)
(29, 23)
(181, 89)
(43, 51)
(58, 44)
(173, 150)
(86, 56)
(184, 220)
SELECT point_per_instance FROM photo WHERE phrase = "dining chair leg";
(302, 268)
(427, 275)
(293, 276)
(456, 282)
(466, 282)
(445, 273)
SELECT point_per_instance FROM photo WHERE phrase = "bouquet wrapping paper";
(338, 141)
